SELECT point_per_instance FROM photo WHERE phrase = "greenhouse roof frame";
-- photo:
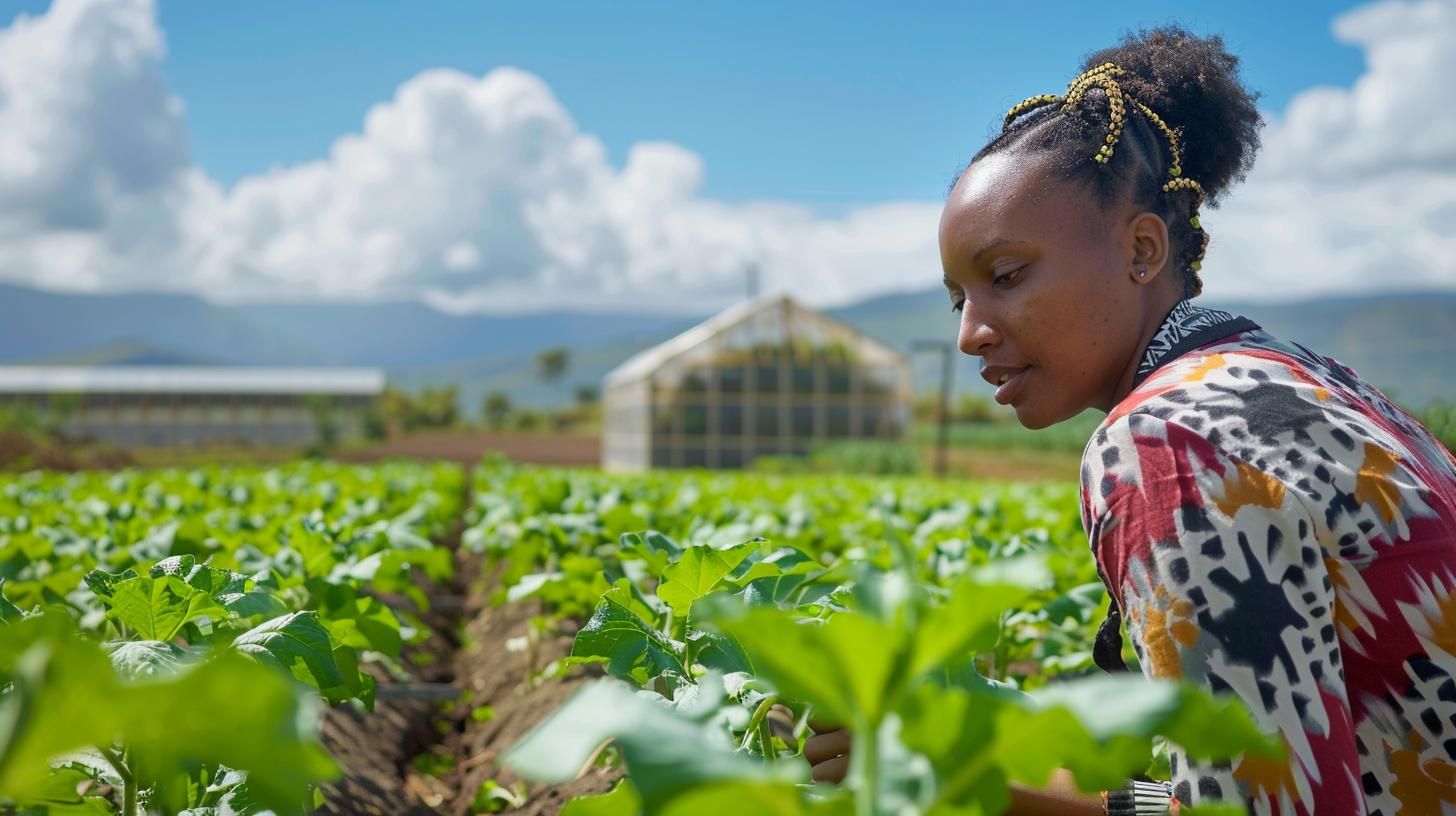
(645, 363)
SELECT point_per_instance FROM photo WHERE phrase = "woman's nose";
(977, 334)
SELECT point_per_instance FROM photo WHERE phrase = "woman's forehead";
(1013, 197)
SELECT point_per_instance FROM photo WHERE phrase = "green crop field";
(169, 640)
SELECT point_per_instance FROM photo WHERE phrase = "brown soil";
(22, 451)
(375, 750)
(502, 679)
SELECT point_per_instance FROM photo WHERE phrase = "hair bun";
(1193, 84)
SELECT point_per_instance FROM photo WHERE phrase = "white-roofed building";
(764, 377)
(194, 405)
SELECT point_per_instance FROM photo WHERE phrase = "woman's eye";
(1005, 279)
(958, 305)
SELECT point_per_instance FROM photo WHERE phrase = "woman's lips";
(1008, 391)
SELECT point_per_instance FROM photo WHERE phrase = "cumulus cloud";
(483, 194)
(95, 177)
(1355, 188)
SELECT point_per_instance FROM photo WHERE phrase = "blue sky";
(645, 154)
(828, 104)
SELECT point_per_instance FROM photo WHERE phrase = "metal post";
(947, 371)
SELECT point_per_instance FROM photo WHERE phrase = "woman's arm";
(1059, 798)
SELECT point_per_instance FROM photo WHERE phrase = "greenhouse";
(764, 377)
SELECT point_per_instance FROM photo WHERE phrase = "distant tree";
(375, 426)
(437, 407)
(527, 420)
(496, 409)
(587, 395)
(552, 363)
(396, 410)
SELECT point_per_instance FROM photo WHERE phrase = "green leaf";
(1208, 728)
(8, 611)
(157, 608)
(530, 584)
(212, 581)
(146, 658)
(621, 800)
(257, 721)
(367, 624)
(66, 696)
(967, 623)
(299, 643)
(1102, 729)
(63, 698)
(253, 604)
(954, 729)
(668, 752)
(718, 651)
(633, 649)
(697, 573)
(847, 667)
(354, 684)
(656, 549)
(104, 583)
(775, 564)
(58, 796)
(768, 798)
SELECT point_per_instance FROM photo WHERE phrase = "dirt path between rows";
(467, 653)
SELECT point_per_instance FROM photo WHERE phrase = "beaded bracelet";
(1140, 799)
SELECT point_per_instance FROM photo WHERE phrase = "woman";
(1268, 524)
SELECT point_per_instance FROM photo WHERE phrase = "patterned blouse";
(1271, 526)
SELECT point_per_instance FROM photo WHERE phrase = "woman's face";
(1048, 287)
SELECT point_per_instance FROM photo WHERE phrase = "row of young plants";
(167, 637)
(939, 622)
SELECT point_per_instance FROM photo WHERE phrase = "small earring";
(1142, 271)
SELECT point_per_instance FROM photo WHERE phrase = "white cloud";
(1355, 188)
(95, 178)
(481, 193)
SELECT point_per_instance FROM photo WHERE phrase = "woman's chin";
(1035, 416)
(1031, 420)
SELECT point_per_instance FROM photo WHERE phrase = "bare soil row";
(439, 711)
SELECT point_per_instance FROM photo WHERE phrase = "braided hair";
(1161, 120)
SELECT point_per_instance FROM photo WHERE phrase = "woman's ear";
(1148, 239)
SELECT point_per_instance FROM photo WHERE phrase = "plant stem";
(864, 764)
(128, 782)
(689, 654)
(760, 715)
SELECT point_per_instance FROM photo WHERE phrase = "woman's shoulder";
(1254, 385)
(1266, 404)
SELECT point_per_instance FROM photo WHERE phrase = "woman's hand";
(827, 752)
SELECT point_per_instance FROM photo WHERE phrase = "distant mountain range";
(1405, 343)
